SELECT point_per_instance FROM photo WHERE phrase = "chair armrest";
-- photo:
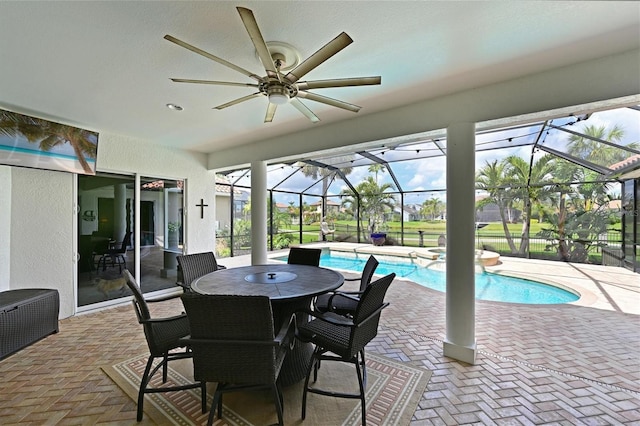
(373, 314)
(348, 294)
(163, 320)
(287, 331)
(353, 279)
(330, 317)
(333, 318)
(162, 298)
(221, 267)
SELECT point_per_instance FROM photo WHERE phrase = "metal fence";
(608, 244)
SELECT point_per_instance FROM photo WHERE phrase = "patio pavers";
(537, 364)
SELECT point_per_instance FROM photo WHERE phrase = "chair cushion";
(341, 305)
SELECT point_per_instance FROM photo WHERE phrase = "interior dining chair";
(193, 266)
(304, 256)
(342, 339)
(337, 302)
(163, 338)
(116, 256)
(234, 345)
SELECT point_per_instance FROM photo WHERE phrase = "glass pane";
(240, 221)
(105, 239)
(286, 224)
(630, 221)
(161, 232)
(602, 140)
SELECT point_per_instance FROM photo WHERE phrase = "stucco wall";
(5, 226)
(42, 233)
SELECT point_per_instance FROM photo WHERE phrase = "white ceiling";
(105, 65)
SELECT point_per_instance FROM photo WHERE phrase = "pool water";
(497, 288)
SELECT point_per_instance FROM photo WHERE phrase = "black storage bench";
(26, 316)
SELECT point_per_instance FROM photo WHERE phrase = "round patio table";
(289, 287)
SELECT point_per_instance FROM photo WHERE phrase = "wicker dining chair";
(234, 344)
(163, 337)
(336, 302)
(193, 266)
(304, 256)
(343, 339)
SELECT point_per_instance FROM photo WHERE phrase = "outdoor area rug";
(393, 391)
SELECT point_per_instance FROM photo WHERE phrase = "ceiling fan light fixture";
(278, 95)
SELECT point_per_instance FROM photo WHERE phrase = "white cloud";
(415, 181)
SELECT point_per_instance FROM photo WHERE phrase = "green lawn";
(492, 235)
(433, 226)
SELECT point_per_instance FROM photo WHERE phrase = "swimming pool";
(493, 287)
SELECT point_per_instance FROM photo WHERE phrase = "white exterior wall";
(223, 211)
(5, 226)
(43, 233)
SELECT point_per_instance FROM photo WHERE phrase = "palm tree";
(376, 168)
(561, 195)
(569, 200)
(50, 135)
(432, 208)
(315, 172)
(371, 199)
(493, 179)
(520, 175)
(597, 152)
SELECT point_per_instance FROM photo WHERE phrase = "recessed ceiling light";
(175, 107)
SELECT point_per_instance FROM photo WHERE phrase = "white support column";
(258, 213)
(460, 342)
(119, 211)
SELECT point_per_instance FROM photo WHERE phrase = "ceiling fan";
(280, 88)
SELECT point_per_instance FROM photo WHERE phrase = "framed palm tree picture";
(27, 141)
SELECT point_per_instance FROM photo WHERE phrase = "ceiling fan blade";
(339, 82)
(328, 101)
(325, 52)
(271, 111)
(251, 25)
(303, 109)
(212, 57)
(237, 101)
(221, 83)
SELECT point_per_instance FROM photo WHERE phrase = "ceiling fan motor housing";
(277, 92)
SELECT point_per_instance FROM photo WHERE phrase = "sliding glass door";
(107, 236)
(161, 232)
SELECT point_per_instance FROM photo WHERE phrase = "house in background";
(491, 213)
(223, 199)
(410, 213)
(332, 208)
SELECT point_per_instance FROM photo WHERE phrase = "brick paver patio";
(537, 364)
